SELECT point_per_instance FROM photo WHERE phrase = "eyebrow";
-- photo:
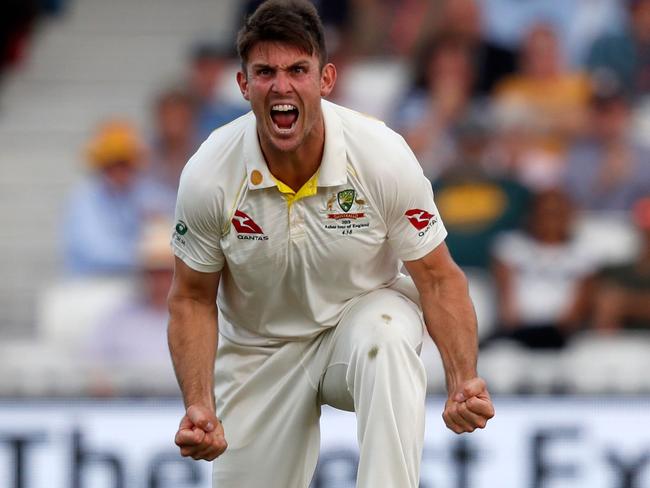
(297, 64)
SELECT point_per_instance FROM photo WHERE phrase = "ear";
(242, 81)
(327, 79)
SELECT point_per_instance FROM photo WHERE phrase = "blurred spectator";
(106, 212)
(383, 28)
(427, 116)
(492, 62)
(474, 204)
(539, 272)
(606, 170)
(133, 335)
(410, 25)
(17, 19)
(207, 65)
(551, 102)
(590, 20)
(174, 140)
(626, 56)
(577, 22)
(622, 292)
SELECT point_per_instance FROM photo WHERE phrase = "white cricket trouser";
(269, 399)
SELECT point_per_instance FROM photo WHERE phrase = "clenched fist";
(200, 434)
(468, 407)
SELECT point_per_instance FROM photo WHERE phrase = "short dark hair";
(294, 22)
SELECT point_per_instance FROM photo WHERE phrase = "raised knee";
(384, 341)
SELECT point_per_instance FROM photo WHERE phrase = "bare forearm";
(451, 323)
(192, 336)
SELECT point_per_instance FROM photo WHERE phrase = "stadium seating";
(100, 59)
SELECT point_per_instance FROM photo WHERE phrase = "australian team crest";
(346, 199)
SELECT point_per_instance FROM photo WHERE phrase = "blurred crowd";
(531, 126)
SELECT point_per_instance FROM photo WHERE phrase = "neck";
(294, 168)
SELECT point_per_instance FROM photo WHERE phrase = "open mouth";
(284, 117)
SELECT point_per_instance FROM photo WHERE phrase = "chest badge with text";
(421, 220)
(345, 212)
(246, 228)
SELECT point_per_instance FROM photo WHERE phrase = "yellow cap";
(116, 140)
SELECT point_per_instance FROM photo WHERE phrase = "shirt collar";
(333, 168)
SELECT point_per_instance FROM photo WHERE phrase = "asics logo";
(418, 218)
(244, 224)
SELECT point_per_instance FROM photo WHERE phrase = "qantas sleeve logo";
(419, 218)
(244, 224)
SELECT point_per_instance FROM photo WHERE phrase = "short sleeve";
(414, 224)
(197, 233)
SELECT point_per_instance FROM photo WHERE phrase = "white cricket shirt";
(291, 265)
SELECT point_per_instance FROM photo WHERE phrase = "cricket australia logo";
(351, 219)
(346, 199)
(350, 204)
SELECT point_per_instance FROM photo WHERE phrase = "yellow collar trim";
(309, 189)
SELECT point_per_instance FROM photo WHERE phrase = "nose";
(282, 83)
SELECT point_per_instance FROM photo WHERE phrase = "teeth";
(283, 108)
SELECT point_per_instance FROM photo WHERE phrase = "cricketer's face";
(284, 86)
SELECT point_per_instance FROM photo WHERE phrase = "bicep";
(194, 285)
(405, 196)
(434, 268)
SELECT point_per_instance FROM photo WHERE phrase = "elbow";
(184, 309)
(178, 308)
(173, 302)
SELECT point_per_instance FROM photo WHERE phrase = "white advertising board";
(531, 443)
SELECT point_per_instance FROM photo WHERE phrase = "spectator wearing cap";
(606, 169)
(622, 292)
(626, 56)
(106, 212)
(207, 66)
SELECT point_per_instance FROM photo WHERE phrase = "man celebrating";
(296, 219)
